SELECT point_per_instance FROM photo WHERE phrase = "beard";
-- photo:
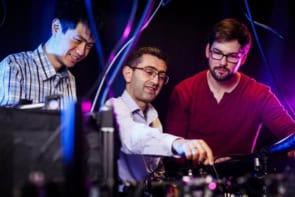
(219, 77)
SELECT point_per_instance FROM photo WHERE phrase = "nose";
(81, 49)
(223, 60)
(155, 78)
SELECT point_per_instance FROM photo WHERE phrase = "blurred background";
(179, 28)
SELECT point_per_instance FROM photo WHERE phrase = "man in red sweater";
(222, 106)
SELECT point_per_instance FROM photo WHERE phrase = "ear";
(127, 73)
(56, 26)
(207, 50)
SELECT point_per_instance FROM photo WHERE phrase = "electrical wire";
(272, 30)
(110, 66)
(217, 177)
(113, 59)
(98, 44)
(265, 60)
(126, 32)
(4, 13)
(136, 35)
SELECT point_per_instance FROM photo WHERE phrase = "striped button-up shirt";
(30, 76)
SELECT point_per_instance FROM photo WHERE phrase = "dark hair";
(231, 29)
(135, 57)
(72, 12)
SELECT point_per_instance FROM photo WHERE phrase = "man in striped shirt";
(31, 76)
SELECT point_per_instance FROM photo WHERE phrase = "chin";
(69, 65)
(150, 99)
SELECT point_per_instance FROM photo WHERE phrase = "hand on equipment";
(196, 150)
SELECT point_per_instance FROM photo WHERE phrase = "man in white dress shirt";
(141, 133)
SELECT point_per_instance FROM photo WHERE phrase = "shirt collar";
(47, 68)
(130, 102)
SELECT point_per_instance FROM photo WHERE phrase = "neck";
(218, 88)
(225, 86)
(49, 51)
(142, 105)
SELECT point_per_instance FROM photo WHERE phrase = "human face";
(224, 68)
(72, 46)
(142, 86)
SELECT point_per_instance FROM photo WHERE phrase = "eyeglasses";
(231, 57)
(152, 72)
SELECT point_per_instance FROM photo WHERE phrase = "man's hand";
(196, 150)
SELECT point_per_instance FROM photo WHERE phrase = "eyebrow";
(84, 40)
(227, 53)
(160, 71)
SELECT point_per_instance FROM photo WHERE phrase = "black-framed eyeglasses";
(152, 72)
(231, 57)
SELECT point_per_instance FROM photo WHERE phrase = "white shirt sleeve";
(138, 138)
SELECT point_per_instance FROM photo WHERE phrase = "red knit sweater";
(231, 126)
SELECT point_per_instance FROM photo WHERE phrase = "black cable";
(217, 177)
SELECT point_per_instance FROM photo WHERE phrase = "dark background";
(179, 28)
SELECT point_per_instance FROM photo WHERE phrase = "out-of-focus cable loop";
(135, 36)
(145, 20)
(113, 56)
(266, 27)
(98, 44)
(126, 32)
(4, 13)
(250, 19)
(265, 60)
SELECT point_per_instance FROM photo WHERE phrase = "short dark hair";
(135, 57)
(231, 29)
(72, 12)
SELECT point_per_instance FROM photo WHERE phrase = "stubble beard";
(221, 78)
